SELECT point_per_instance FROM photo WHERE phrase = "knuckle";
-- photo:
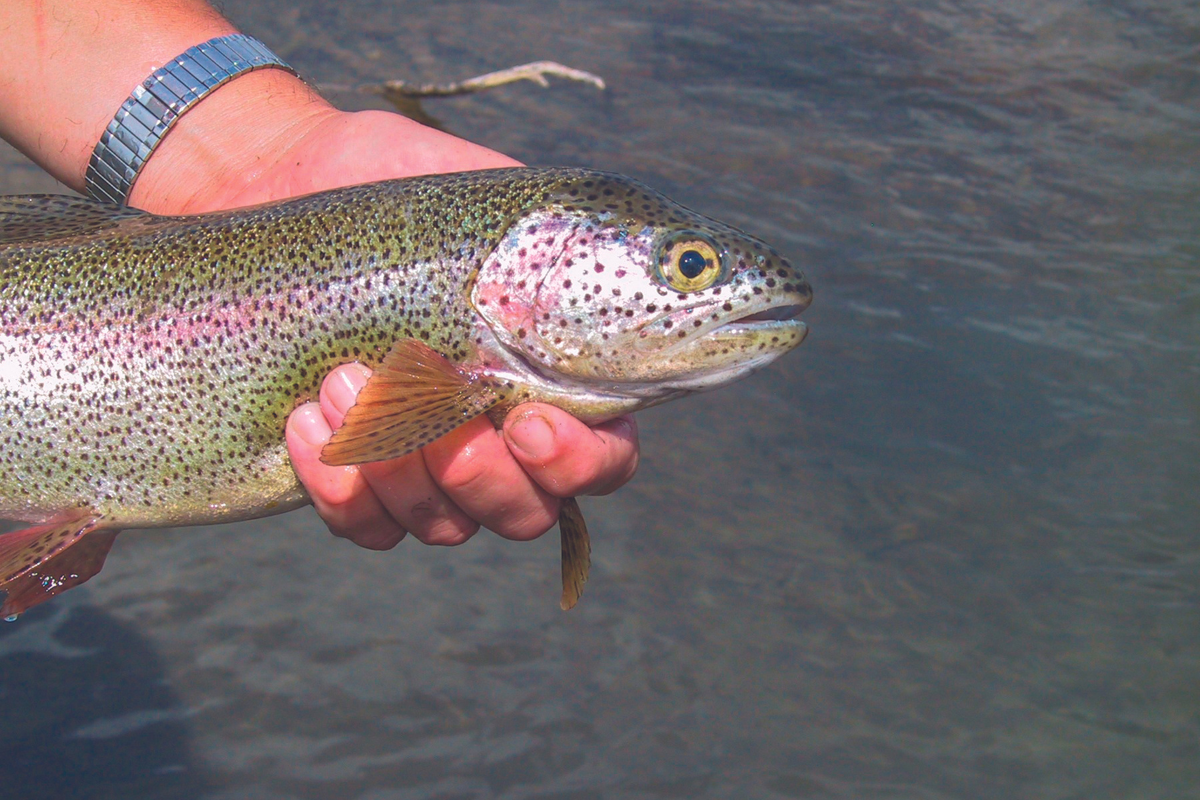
(379, 539)
(435, 520)
(345, 505)
(337, 490)
(446, 533)
(404, 468)
(468, 472)
(529, 525)
(618, 472)
(339, 497)
(582, 477)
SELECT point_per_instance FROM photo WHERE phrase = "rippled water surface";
(947, 549)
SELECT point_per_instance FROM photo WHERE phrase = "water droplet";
(11, 618)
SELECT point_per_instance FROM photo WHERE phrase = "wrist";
(227, 142)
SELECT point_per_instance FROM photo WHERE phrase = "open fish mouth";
(777, 314)
(777, 317)
(729, 351)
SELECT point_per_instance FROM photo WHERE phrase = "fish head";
(609, 283)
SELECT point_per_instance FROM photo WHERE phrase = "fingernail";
(309, 424)
(533, 435)
(343, 385)
(624, 427)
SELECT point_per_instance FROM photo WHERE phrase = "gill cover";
(619, 285)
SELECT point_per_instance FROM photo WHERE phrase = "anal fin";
(39, 562)
(415, 396)
(576, 552)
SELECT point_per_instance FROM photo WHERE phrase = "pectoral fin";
(39, 562)
(576, 552)
(415, 396)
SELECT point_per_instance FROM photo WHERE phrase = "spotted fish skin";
(147, 368)
(148, 364)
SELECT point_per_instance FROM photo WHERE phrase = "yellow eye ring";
(689, 264)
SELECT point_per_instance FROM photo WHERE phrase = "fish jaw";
(577, 295)
(727, 354)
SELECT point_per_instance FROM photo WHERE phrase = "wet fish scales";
(148, 364)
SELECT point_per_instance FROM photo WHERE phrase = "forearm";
(67, 65)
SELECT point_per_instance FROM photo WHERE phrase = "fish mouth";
(727, 351)
(781, 317)
(776, 314)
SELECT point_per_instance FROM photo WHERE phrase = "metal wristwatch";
(158, 103)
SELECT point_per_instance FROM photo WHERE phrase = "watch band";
(158, 103)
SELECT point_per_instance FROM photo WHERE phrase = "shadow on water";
(87, 711)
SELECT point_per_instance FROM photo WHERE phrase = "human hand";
(509, 481)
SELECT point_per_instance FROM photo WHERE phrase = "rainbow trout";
(148, 364)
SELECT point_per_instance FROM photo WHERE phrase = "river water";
(947, 549)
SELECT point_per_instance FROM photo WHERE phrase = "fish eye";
(690, 263)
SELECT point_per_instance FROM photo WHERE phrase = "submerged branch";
(536, 72)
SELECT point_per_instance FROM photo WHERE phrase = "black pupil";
(691, 263)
